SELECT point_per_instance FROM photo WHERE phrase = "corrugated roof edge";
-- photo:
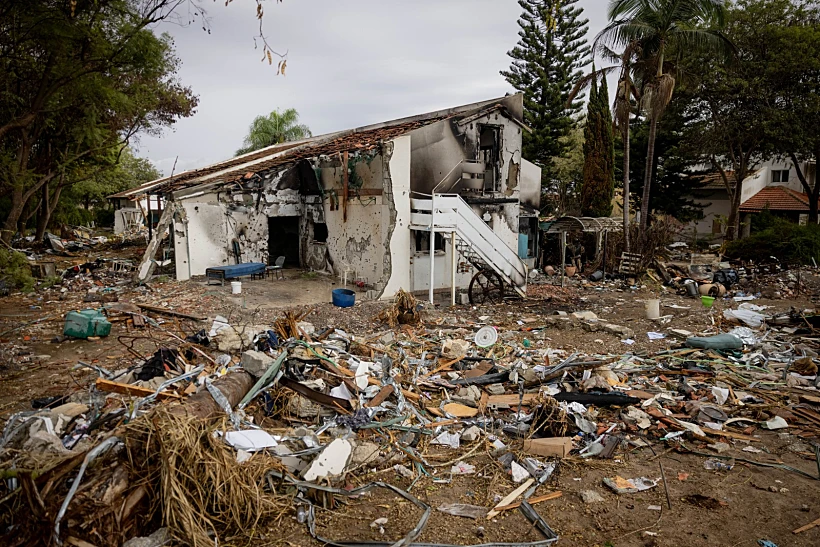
(512, 103)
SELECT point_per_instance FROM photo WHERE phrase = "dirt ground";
(735, 508)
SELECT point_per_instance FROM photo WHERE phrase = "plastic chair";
(277, 267)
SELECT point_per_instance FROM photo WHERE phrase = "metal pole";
(563, 256)
(453, 268)
(432, 242)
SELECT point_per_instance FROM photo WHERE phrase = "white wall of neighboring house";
(716, 205)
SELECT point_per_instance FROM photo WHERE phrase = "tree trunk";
(626, 186)
(733, 223)
(49, 206)
(647, 178)
(15, 212)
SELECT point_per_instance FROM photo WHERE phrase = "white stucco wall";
(399, 169)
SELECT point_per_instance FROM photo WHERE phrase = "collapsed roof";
(362, 138)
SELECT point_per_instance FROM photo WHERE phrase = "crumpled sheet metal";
(408, 540)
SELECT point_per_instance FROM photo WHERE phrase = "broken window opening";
(490, 154)
(319, 232)
(283, 240)
(423, 242)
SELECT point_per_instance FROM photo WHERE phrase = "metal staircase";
(475, 241)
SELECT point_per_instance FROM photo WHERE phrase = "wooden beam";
(809, 526)
(172, 313)
(510, 497)
(344, 187)
(134, 391)
(531, 501)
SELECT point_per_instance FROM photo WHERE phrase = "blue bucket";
(343, 298)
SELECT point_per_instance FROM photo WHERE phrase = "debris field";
(177, 413)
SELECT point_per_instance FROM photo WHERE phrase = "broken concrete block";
(470, 434)
(256, 363)
(331, 462)
(157, 539)
(364, 453)
(454, 349)
(496, 389)
(623, 332)
(591, 496)
(585, 316)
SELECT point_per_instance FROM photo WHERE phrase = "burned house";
(361, 202)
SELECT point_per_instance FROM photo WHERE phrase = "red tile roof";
(776, 198)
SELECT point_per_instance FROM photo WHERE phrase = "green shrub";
(784, 240)
(15, 270)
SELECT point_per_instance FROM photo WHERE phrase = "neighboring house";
(712, 195)
(360, 200)
(781, 201)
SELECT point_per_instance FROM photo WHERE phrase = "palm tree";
(275, 128)
(663, 29)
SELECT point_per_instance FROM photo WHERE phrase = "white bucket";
(236, 287)
(653, 308)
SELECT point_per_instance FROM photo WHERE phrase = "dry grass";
(404, 311)
(203, 494)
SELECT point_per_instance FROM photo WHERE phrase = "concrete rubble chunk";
(720, 448)
(69, 410)
(157, 539)
(471, 434)
(364, 453)
(585, 315)
(496, 389)
(618, 330)
(256, 363)
(331, 462)
(591, 496)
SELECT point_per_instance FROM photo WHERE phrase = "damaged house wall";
(436, 149)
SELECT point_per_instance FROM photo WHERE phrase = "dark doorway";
(283, 239)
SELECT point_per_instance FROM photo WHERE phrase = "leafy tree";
(763, 105)
(664, 29)
(546, 64)
(80, 79)
(599, 155)
(792, 73)
(563, 195)
(275, 128)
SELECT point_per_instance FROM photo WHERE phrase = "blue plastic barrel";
(343, 298)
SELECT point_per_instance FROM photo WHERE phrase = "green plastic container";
(85, 323)
(707, 301)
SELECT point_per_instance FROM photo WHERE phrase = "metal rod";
(453, 268)
(432, 242)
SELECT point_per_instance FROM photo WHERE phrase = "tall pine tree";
(599, 155)
(547, 63)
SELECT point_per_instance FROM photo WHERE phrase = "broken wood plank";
(172, 313)
(531, 501)
(381, 396)
(808, 526)
(134, 391)
(729, 434)
(409, 394)
(510, 497)
(459, 410)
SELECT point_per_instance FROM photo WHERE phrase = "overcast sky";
(350, 63)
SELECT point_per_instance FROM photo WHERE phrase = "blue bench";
(221, 273)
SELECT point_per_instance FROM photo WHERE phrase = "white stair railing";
(453, 214)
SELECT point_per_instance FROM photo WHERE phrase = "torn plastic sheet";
(525, 508)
